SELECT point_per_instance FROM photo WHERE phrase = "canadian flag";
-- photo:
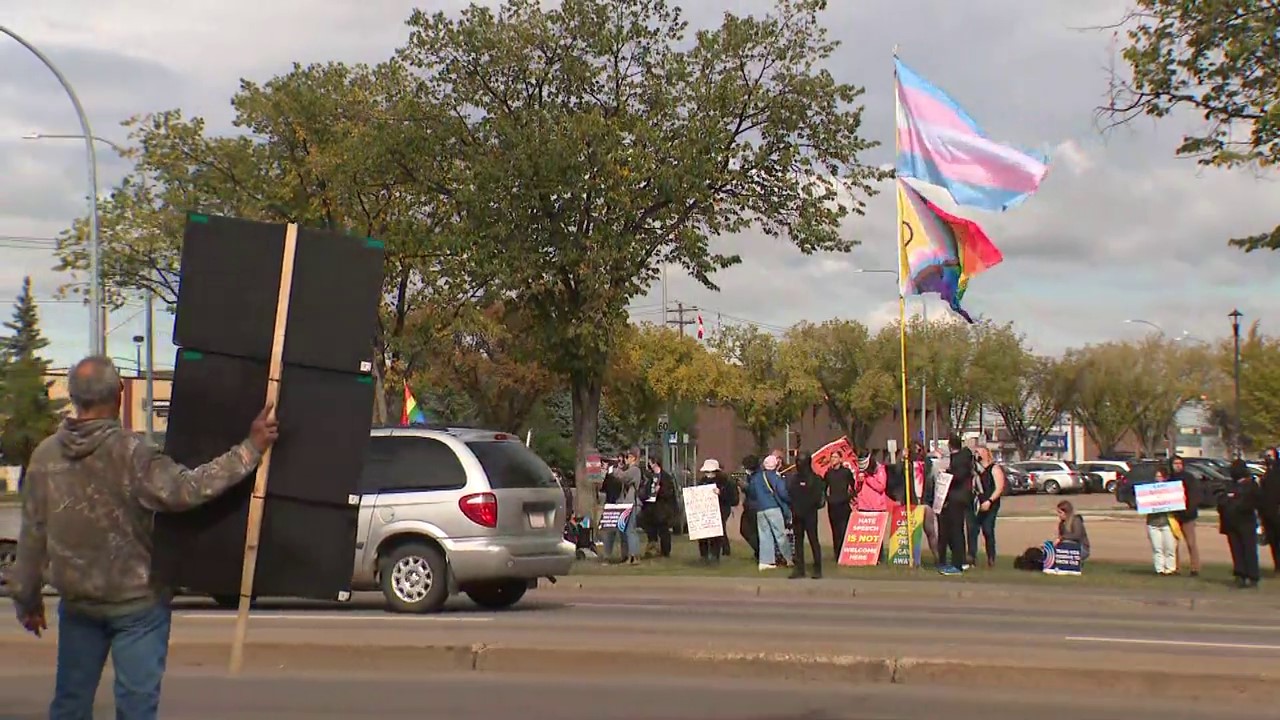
(700, 328)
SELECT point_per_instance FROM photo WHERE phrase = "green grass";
(1100, 575)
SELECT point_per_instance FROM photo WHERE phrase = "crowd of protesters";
(781, 507)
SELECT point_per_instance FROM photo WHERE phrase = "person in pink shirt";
(874, 479)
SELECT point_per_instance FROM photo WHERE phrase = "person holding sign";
(711, 549)
(839, 483)
(807, 497)
(88, 506)
(1164, 546)
(1071, 528)
(1238, 520)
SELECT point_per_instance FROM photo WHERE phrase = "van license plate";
(537, 521)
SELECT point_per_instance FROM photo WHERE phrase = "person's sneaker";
(764, 567)
(966, 566)
(950, 570)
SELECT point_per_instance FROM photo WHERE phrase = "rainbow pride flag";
(939, 143)
(412, 413)
(940, 251)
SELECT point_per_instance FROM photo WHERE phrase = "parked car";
(1052, 476)
(1017, 482)
(1212, 482)
(10, 523)
(1109, 470)
(444, 511)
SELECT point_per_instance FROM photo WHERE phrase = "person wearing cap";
(773, 512)
(711, 549)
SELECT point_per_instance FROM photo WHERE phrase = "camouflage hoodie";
(89, 497)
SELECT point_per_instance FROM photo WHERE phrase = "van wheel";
(231, 602)
(1052, 487)
(497, 595)
(413, 579)
(1111, 487)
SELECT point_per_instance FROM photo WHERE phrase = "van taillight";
(501, 436)
(481, 509)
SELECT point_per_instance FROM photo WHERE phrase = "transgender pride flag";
(938, 143)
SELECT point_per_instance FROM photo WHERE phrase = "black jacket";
(1238, 507)
(961, 469)
(807, 492)
(1271, 490)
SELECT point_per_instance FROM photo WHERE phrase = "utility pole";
(680, 322)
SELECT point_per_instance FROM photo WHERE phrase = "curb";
(973, 592)
(1257, 688)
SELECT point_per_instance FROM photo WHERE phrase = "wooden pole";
(256, 502)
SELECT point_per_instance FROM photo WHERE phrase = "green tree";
(1030, 393)
(344, 148)
(839, 364)
(761, 393)
(1169, 375)
(1220, 60)
(1110, 390)
(1259, 389)
(603, 140)
(656, 369)
(484, 354)
(29, 415)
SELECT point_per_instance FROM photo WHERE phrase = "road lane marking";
(317, 616)
(1176, 643)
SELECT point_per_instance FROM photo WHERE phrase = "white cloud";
(1119, 229)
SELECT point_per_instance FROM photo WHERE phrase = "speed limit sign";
(664, 423)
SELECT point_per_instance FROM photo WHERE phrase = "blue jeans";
(630, 540)
(139, 647)
(984, 524)
(773, 536)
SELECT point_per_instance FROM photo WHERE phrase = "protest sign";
(1064, 558)
(940, 488)
(615, 517)
(835, 451)
(863, 539)
(1160, 497)
(898, 550)
(702, 512)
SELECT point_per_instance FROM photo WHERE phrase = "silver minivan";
(454, 510)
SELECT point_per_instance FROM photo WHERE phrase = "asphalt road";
(1016, 630)
(474, 697)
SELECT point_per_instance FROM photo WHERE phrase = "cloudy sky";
(1119, 230)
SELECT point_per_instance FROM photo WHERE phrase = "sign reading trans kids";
(1160, 497)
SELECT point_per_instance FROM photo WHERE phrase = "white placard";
(1160, 497)
(702, 511)
(940, 488)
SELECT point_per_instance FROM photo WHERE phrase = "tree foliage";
(1259, 389)
(761, 392)
(27, 414)
(1219, 59)
(601, 140)
(838, 364)
(1029, 392)
(1169, 375)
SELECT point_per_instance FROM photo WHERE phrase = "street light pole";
(1235, 333)
(97, 329)
(150, 294)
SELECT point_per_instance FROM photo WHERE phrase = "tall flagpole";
(908, 465)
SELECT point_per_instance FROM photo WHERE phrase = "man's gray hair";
(93, 382)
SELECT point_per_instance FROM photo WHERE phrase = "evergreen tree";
(29, 414)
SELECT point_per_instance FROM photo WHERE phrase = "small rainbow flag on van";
(412, 413)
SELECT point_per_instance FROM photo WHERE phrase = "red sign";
(863, 539)
(836, 451)
(595, 468)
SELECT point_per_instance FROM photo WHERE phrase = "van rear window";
(512, 466)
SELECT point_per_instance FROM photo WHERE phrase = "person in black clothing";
(956, 507)
(1269, 510)
(839, 482)
(710, 474)
(747, 527)
(990, 487)
(1238, 520)
(659, 509)
(807, 496)
(1187, 518)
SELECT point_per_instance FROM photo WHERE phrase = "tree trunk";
(379, 395)
(586, 424)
